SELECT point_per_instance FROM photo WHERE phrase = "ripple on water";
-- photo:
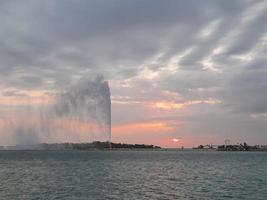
(132, 175)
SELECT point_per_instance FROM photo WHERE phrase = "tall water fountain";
(86, 106)
(79, 113)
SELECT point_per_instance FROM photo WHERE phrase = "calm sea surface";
(133, 175)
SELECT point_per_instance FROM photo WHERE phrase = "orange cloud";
(168, 105)
(171, 105)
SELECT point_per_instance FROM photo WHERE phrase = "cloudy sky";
(191, 70)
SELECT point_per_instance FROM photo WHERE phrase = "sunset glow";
(175, 140)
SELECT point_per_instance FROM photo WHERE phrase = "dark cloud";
(113, 37)
(250, 35)
(247, 92)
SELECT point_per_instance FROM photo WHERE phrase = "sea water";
(148, 174)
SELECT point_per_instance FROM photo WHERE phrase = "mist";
(81, 112)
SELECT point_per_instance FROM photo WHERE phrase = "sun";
(175, 140)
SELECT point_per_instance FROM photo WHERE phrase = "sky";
(194, 71)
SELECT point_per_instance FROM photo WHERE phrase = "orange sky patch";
(143, 127)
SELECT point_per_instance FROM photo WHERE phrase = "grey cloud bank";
(196, 49)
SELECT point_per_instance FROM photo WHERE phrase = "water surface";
(133, 175)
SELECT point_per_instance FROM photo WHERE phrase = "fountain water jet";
(87, 102)
(80, 113)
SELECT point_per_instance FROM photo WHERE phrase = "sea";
(132, 174)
